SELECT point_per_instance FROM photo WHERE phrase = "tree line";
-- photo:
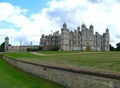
(115, 49)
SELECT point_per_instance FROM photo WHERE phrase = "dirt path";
(36, 53)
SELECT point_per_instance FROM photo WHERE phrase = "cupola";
(64, 25)
(83, 25)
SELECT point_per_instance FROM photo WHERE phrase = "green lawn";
(11, 77)
(94, 60)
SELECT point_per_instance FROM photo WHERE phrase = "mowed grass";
(11, 77)
(109, 61)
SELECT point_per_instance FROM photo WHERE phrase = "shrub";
(55, 48)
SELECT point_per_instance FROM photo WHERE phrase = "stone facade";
(48, 42)
(81, 39)
(21, 48)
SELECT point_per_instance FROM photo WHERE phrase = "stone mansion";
(82, 38)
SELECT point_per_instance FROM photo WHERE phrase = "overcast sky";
(26, 20)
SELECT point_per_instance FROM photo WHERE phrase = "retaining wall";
(1, 55)
(67, 77)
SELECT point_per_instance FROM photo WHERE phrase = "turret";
(78, 28)
(20, 43)
(83, 26)
(91, 27)
(6, 44)
(42, 35)
(64, 26)
(6, 40)
(65, 37)
(107, 40)
(107, 31)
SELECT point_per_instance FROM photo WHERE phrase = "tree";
(88, 48)
(2, 47)
(118, 46)
(34, 49)
(55, 48)
(112, 48)
(40, 48)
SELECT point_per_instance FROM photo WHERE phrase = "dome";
(107, 30)
(6, 38)
(78, 27)
(64, 25)
(91, 26)
(83, 25)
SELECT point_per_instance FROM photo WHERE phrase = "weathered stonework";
(21, 48)
(82, 39)
(67, 77)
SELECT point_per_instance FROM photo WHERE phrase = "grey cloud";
(65, 14)
(117, 35)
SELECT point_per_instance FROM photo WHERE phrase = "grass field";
(108, 61)
(11, 77)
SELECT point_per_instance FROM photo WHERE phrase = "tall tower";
(91, 28)
(64, 37)
(91, 36)
(6, 44)
(107, 40)
(83, 36)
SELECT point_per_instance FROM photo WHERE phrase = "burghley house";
(81, 39)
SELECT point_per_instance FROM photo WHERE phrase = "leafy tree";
(88, 48)
(118, 46)
(112, 48)
(41, 48)
(56, 48)
(34, 49)
(2, 47)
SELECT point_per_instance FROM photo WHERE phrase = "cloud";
(100, 13)
(6, 10)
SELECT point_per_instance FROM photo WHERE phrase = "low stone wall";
(67, 77)
(1, 55)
